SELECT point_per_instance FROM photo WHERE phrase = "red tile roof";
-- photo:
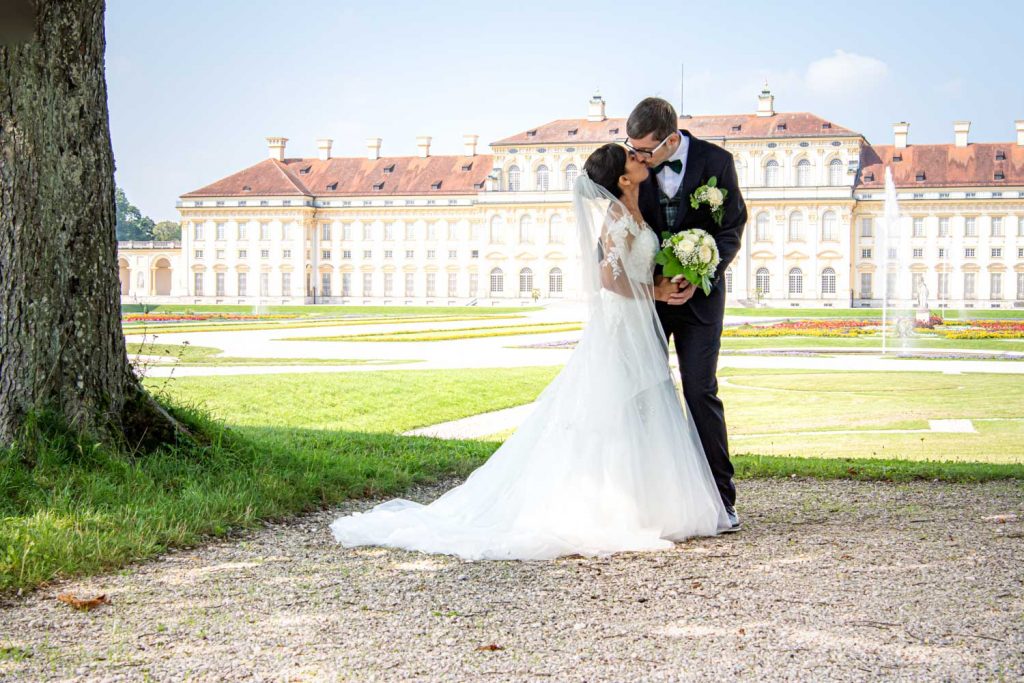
(735, 127)
(943, 165)
(347, 176)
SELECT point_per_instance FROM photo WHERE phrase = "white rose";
(705, 254)
(715, 197)
(686, 246)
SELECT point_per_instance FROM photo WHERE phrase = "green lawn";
(318, 309)
(298, 442)
(449, 334)
(872, 313)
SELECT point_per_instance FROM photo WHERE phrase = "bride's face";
(636, 171)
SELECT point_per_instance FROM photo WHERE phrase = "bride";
(608, 461)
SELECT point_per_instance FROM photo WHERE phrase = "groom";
(681, 163)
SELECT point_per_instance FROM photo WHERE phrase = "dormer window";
(1000, 175)
(531, 133)
(436, 185)
(246, 188)
(897, 157)
(737, 128)
(467, 167)
(613, 131)
(388, 170)
(780, 127)
(826, 126)
(573, 131)
(921, 177)
(478, 186)
(1000, 155)
(305, 171)
(377, 187)
(333, 186)
(869, 177)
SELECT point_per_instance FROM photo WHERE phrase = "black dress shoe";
(734, 520)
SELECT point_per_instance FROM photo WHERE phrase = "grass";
(190, 355)
(893, 345)
(229, 326)
(871, 313)
(450, 334)
(295, 443)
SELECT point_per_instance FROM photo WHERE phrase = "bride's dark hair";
(606, 165)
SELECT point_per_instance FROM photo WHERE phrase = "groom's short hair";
(652, 115)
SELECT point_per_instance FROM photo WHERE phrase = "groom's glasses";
(645, 153)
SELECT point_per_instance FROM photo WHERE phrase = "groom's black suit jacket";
(696, 327)
(703, 160)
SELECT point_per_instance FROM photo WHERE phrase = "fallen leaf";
(696, 584)
(489, 648)
(846, 557)
(743, 631)
(83, 605)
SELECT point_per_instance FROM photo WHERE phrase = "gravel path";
(828, 581)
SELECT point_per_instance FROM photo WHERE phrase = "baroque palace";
(498, 228)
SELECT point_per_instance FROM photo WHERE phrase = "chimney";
(469, 141)
(324, 145)
(275, 147)
(1020, 133)
(423, 145)
(960, 131)
(766, 102)
(900, 131)
(373, 148)
(595, 111)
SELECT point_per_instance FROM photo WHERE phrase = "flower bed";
(186, 317)
(805, 328)
(982, 329)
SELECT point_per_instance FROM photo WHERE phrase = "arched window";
(555, 281)
(571, 172)
(835, 172)
(762, 227)
(526, 229)
(525, 281)
(497, 281)
(796, 226)
(497, 230)
(556, 230)
(542, 178)
(140, 279)
(728, 280)
(513, 179)
(803, 173)
(771, 173)
(796, 281)
(828, 281)
(762, 281)
(741, 173)
(829, 230)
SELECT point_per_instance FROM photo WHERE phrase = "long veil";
(606, 462)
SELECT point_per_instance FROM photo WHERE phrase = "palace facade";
(497, 228)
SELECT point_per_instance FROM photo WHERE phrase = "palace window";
(865, 285)
(865, 253)
(453, 253)
(389, 232)
(796, 281)
(762, 281)
(243, 283)
(970, 227)
(497, 281)
(388, 253)
(286, 284)
(796, 223)
(542, 178)
(346, 284)
(762, 227)
(222, 231)
(828, 281)
(220, 287)
(996, 286)
(969, 252)
(325, 255)
(829, 229)
(997, 227)
(1020, 286)
(241, 230)
(571, 173)
(556, 229)
(474, 284)
(325, 284)
(969, 285)
(771, 173)
(431, 284)
(997, 252)
(367, 284)
(197, 284)
(526, 229)
(525, 281)
(389, 284)
(918, 252)
(431, 253)
(555, 281)
(264, 231)
(198, 231)
(325, 232)
(199, 253)
(803, 173)
(497, 230)
(513, 178)
(243, 253)
(264, 253)
(867, 227)
(835, 172)
(944, 227)
(943, 285)
(286, 253)
(410, 253)
(918, 227)
(453, 232)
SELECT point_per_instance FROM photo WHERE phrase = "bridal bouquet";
(692, 254)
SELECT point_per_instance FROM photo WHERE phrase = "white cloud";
(845, 73)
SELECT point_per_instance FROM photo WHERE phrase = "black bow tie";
(675, 164)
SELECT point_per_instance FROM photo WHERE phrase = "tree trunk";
(62, 350)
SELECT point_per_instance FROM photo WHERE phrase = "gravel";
(835, 580)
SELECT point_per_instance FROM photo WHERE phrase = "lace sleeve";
(616, 242)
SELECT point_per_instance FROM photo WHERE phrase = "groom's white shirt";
(669, 180)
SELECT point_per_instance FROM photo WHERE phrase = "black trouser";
(697, 345)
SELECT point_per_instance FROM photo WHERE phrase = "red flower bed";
(187, 317)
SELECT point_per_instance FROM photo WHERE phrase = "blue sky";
(195, 87)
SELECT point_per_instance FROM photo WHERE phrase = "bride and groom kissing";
(610, 460)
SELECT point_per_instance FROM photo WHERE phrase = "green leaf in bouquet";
(673, 268)
(712, 181)
(666, 235)
(661, 258)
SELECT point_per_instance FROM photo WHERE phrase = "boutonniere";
(711, 195)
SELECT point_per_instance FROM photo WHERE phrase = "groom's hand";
(664, 288)
(686, 291)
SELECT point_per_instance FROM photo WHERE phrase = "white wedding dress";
(608, 461)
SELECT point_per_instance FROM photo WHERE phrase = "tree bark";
(62, 350)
